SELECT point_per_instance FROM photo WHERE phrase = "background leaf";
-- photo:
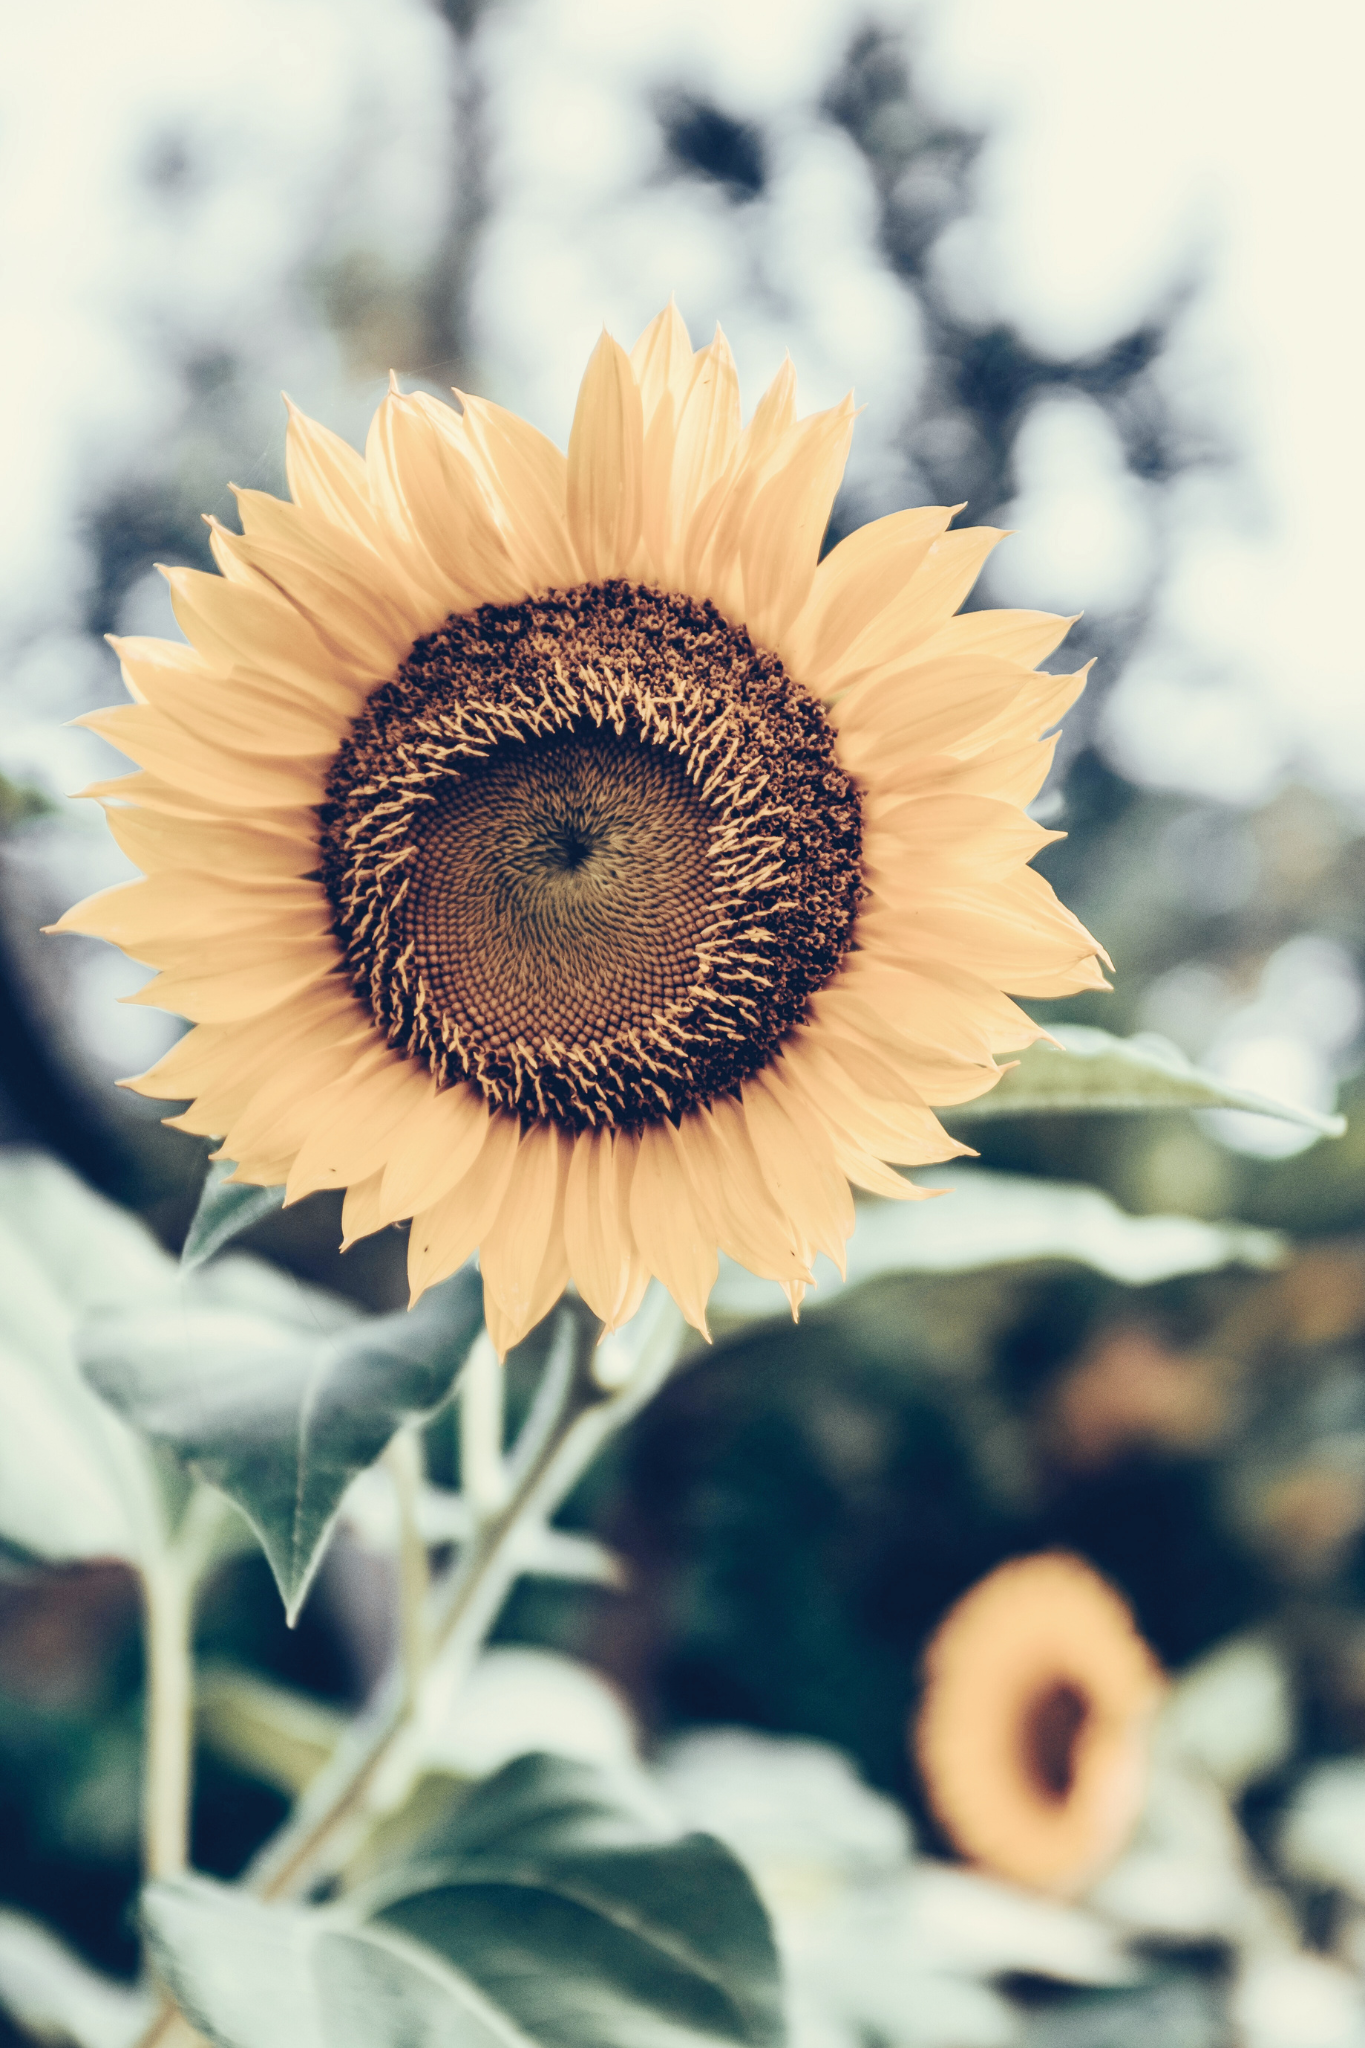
(555, 1867)
(49, 1990)
(240, 1970)
(224, 1212)
(553, 1909)
(279, 1416)
(990, 1219)
(75, 1482)
(1095, 1071)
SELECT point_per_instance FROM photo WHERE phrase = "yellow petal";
(594, 1242)
(662, 361)
(1025, 637)
(527, 479)
(227, 779)
(327, 478)
(235, 627)
(705, 436)
(432, 497)
(784, 529)
(924, 607)
(435, 1146)
(135, 913)
(352, 1134)
(360, 1215)
(244, 989)
(264, 847)
(672, 1237)
(606, 465)
(512, 1252)
(856, 580)
(444, 1235)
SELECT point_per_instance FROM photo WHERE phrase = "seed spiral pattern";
(592, 852)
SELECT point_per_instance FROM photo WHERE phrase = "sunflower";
(1033, 1731)
(558, 853)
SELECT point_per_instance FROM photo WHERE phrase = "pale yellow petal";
(595, 1244)
(606, 465)
(230, 780)
(435, 1146)
(527, 480)
(931, 709)
(134, 914)
(448, 1232)
(783, 531)
(859, 578)
(513, 1251)
(277, 845)
(360, 1215)
(1025, 637)
(923, 608)
(431, 494)
(732, 1199)
(671, 1236)
(704, 440)
(223, 994)
(235, 627)
(796, 1157)
(662, 360)
(278, 1117)
(354, 1128)
(327, 478)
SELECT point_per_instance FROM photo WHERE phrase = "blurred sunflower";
(1033, 1732)
(558, 853)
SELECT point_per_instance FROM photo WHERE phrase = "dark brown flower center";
(592, 853)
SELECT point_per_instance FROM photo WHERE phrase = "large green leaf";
(224, 1212)
(279, 1415)
(992, 1219)
(74, 1480)
(1094, 1071)
(240, 1970)
(553, 1911)
(546, 1869)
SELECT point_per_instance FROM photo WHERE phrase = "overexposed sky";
(1132, 146)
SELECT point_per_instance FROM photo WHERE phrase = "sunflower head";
(557, 854)
(1033, 1731)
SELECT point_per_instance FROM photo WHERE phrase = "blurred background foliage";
(313, 196)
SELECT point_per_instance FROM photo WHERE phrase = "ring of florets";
(592, 853)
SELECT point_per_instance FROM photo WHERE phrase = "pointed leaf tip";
(225, 1210)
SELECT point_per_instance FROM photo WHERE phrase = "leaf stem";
(170, 1582)
(406, 1464)
(167, 1602)
(572, 1417)
(483, 1475)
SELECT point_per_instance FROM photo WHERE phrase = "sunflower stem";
(170, 1583)
(483, 1474)
(407, 1470)
(572, 1418)
(168, 1600)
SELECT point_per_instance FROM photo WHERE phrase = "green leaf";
(552, 1912)
(995, 1219)
(1096, 1072)
(224, 1212)
(54, 1995)
(279, 1416)
(376, 1990)
(75, 1482)
(553, 1870)
(239, 1970)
